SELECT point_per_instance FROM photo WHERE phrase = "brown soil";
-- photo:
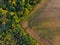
(56, 40)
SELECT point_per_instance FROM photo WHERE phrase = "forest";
(12, 13)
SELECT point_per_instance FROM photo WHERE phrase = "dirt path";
(50, 12)
(32, 32)
(39, 6)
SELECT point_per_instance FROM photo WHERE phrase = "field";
(47, 23)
